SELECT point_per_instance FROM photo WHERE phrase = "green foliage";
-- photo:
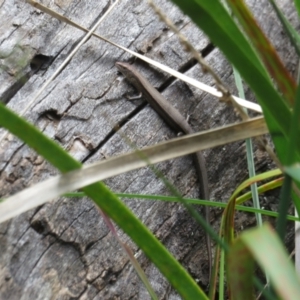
(254, 57)
(108, 202)
(256, 60)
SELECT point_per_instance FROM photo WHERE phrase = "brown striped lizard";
(175, 120)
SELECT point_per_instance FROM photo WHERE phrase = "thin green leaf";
(249, 150)
(229, 212)
(108, 202)
(208, 89)
(292, 33)
(291, 157)
(262, 189)
(192, 201)
(257, 178)
(55, 186)
(214, 20)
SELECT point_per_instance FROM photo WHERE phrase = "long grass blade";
(59, 185)
(215, 21)
(109, 204)
(292, 33)
(191, 81)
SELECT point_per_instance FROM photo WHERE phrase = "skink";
(175, 120)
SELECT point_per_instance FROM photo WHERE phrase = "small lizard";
(175, 120)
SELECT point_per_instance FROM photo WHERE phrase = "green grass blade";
(249, 150)
(292, 33)
(193, 201)
(215, 21)
(284, 203)
(297, 4)
(294, 136)
(207, 13)
(291, 158)
(108, 202)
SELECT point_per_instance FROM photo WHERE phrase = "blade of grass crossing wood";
(250, 158)
(181, 76)
(225, 26)
(214, 20)
(98, 171)
(290, 159)
(108, 202)
(249, 152)
(196, 201)
(199, 219)
(294, 137)
(193, 212)
(207, 13)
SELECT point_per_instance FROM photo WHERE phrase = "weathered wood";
(64, 250)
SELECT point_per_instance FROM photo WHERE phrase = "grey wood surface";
(63, 250)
